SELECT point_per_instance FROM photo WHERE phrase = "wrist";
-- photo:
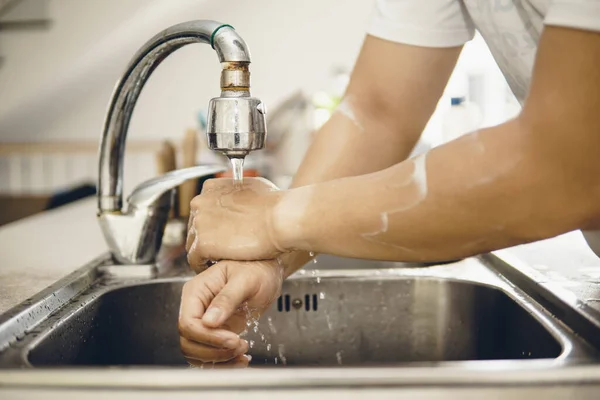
(289, 219)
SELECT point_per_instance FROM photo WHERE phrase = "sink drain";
(286, 303)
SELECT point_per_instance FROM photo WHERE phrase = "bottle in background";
(462, 117)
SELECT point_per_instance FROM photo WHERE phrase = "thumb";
(237, 289)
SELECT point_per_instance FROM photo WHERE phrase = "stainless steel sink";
(336, 321)
(397, 319)
(462, 312)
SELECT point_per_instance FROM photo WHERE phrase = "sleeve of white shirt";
(428, 23)
(578, 14)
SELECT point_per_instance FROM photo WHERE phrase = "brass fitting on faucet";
(236, 122)
(235, 76)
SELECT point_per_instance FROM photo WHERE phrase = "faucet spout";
(232, 52)
(236, 126)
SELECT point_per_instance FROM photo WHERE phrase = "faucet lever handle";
(149, 193)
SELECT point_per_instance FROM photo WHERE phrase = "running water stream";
(237, 167)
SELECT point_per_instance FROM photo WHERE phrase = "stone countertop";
(565, 267)
(39, 250)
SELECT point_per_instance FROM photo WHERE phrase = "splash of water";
(252, 322)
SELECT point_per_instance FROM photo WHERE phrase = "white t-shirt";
(511, 29)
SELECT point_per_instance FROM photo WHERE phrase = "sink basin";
(349, 321)
(378, 315)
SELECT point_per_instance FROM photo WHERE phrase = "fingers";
(203, 353)
(226, 184)
(191, 232)
(194, 257)
(196, 296)
(238, 289)
(196, 262)
(211, 315)
(217, 184)
(259, 183)
(195, 330)
(237, 323)
(198, 268)
(198, 292)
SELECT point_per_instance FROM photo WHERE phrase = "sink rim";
(479, 375)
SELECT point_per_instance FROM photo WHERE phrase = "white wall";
(56, 85)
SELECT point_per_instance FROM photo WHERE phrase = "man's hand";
(216, 304)
(227, 223)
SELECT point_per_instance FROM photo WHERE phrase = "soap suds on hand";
(345, 108)
(418, 179)
(383, 228)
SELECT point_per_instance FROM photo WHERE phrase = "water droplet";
(312, 254)
(269, 348)
(329, 324)
(251, 343)
(281, 351)
(318, 279)
(321, 295)
(271, 326)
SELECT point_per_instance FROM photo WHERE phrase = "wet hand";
(216, 305)
(227, 223)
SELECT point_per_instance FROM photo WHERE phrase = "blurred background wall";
(61, 58)
(56, 83)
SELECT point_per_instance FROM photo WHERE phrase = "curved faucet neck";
(234, 56)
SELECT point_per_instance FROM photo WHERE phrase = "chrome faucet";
(236, 126)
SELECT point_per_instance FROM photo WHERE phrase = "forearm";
(375, 127)
(354, 130)
(488, 190)
(350, 131)
(383, 113)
